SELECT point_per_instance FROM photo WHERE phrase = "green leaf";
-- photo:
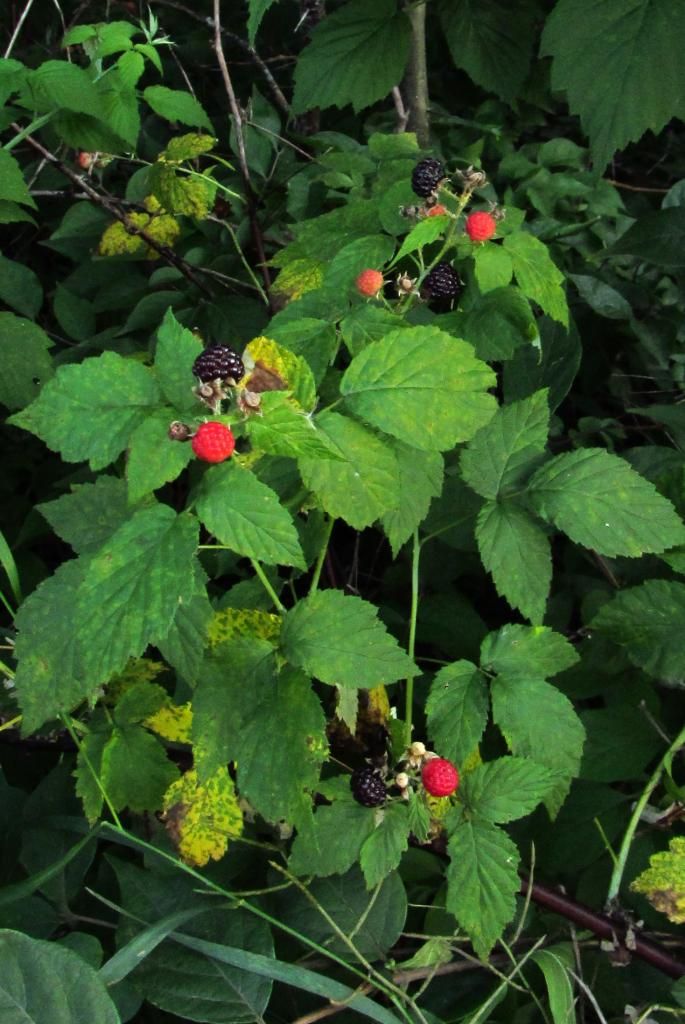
(12, 213)
(154, 459)
(538, 722)
(601, 503)
(90, 514)
(20, 288)
(176, 351)
(421, 475)
(258, 9)
(75, 315)
(62, 85)
(12, 75)
(367, 323)
(282, 428)
(525, 651)
(516, 552)
(188, 195)
(382, 851)
(420, 385)
(177, 105)
(135, 770)
(12, 184)
(503, 452)
(657, 237)
(619, 64)
(330, 842)
(648, 622)
(357, 54)
(505, 789)
(663, 883)
(493, 267)
(314, 340)
(552, 363)
(537, 275)
(26, 362)
(339, 639)
(555, 964)
(363, 487)
(89, 411)
(344, 268)
(88, 770)
(188, 147)
(499, 323)
(45, 983)
(183, 646)
(491, 46)
(457, 710)
(482, 881)
(247, 516)
(423, 233)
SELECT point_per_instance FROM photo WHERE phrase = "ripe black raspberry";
(426, 176)
(367, 787)
(442, 282)
(218, 362)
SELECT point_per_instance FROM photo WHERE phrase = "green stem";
(267, 586)
(413, 615)
(321, 556)
(620, 864)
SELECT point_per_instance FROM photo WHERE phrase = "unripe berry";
(480, 226)
(85, 160)
(213, 442)
(369, 283)
(437, 210)
(439, 777)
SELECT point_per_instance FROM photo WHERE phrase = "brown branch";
(250, 197)
(636, 188)
(117, 212)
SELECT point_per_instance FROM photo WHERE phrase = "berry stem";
(267, 586)
(413, 615)
(321, 557)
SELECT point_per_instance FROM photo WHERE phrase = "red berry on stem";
(213, 442)
(439, 777)
(369, 282)
(437, 210)
(480, 226)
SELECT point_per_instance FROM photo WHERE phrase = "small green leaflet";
(26, 362)
(328, 843)
(382, 851)
(516, 552)
(482, 881)
(89, 515)
(499, 323)
(153, 458)
(420, 385)
(282, 428)
(527, 651)
(258, 9)
(600, 502)
(339, 639)
(507, 449)
(89, 410)
(537, 275)
(177, 105)
(423, 233)
(20, 288)
(12, 184)
(457, 710)
(357, 54)
(493, 267)
(505, 789)
(176, 351)
(246, 516)
(421, 475)
(648, 622)
(184, 644)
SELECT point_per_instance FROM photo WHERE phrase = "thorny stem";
(413, 615)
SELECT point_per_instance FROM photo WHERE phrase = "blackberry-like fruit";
(367, 787)
(426, 176)
(218, 362)
(442, 282)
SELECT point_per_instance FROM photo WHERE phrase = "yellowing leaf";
(299, 277)
(663, 883)
(202, 819)
(271, 367)
(173, 722)
(233, 622)
(138, 670)
(379, 705)
(121, 239)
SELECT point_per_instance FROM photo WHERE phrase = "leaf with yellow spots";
(173, 722)
(299, 277)
(122, 239)
(165, 230)
(271, 367)
(469, 763)
(379, 705)
(189, 195)
(663, 883)
(187, 147)
(138, 670)
(244, 622)
(438, 807)
(202, 819)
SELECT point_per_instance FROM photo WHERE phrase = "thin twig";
(636, 188)
(331, 1008)
(402, 112)
(17, 28)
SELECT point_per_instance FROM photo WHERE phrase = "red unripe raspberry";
(437, 210)
(213, 442)
(480, 226)
(439, 777)
(369, 282)
(85, 160)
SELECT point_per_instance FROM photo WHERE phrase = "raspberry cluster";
(368, 787)
(426, 177)
(218, 362)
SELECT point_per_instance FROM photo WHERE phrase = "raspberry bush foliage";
(341, 364)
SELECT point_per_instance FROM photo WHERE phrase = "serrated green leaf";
(88, 769)
(75, 315)
(363, 487)
(505, 789)
(183, 646)
(619, 65)
(20, 288)
(648, 622)
(368, 251)
(89, 411)
(258, 9)
(538, 722)
(357, 54)
(339, 639)
(525, 651)
(135, 769)
(551, 362)
(12, 184)
(246, 516)
(420, 384)
(517, 553)
(12, 213)
(282, 428)
(177, 105)
(491, 46)
(181, 194)
(187, 147)
(657, 237)
(482, 881)
(330, 842)
(154, 459)
(506, 450)
(26, 362)
(493, 267)
(12, 75)
(421, 475)
(367, 323)
(499, 323)
(60, 84)
(313, 339)
(90, 514)
(457, 710)
(537, 275)
(382, 851)
(601, 503)
(423, 233)
(176, 351)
